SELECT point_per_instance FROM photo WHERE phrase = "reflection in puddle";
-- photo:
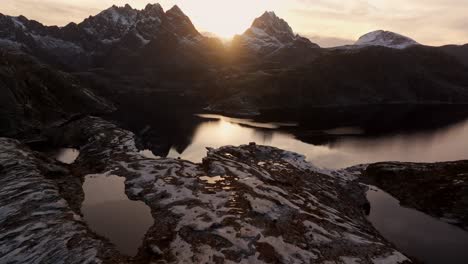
(212, 180)
(110, 213)
(66, 155)
(442, 145)
(415, 233)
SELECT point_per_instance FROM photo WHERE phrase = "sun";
(225, 18)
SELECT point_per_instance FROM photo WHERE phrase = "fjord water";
(419, 235)
(334, 137)
(347, 147)
(108, 212)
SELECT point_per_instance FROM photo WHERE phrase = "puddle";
(415, 233)
(212, 180)
(66, 155)
(110, 213)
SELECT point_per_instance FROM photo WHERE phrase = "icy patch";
(394, 258)
(288, 252)
(67, 155)
(148, 154)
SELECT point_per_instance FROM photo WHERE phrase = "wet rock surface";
(247, 204)
(37, 224)
(438, 189)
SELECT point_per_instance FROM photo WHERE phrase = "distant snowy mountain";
(386, 39)
(269, 34)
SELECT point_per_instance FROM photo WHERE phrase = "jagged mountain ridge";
(122, 27)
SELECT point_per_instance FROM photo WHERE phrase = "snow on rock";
(268, 34)
(386, 39)
(37, 225)
(116, 26)
(247, 204)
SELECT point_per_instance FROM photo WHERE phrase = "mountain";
(371, 75)
(34, 95)
(47, 43)
(386, 39)
(89, 43)
(458, 51)
(129, 54)
(270, 36)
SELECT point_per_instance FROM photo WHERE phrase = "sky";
(326, 22)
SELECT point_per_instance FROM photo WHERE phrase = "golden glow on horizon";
(226, 18)
(329, 21)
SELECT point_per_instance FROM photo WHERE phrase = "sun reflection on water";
(442, 145)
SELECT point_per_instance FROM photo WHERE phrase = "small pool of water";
(110, 213)
(66, 155)
(415, 233)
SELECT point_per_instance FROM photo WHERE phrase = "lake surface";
(348, 145)
(415, 233)
(330, 138)
(110, 213)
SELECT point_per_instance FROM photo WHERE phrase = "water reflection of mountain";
(161, 130)
(161, 122)
(316, 124)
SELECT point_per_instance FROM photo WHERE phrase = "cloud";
(328, 42)
(431, 22)
(47, 11)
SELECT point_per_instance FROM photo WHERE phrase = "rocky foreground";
(247, 204)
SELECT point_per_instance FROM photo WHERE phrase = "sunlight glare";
(226, 18)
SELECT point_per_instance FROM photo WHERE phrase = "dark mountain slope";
(34, 95)
(376, 75)
(459, 52)
(371, 75)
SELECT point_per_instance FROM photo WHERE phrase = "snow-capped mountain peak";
(271, 24)
(386, 39)
(270, 33)
(121, 15)
(117, 23)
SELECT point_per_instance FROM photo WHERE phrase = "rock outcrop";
(37, 224)
(242, 204)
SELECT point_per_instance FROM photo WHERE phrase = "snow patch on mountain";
(386, 39)
(18, 23)
(270, 33)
